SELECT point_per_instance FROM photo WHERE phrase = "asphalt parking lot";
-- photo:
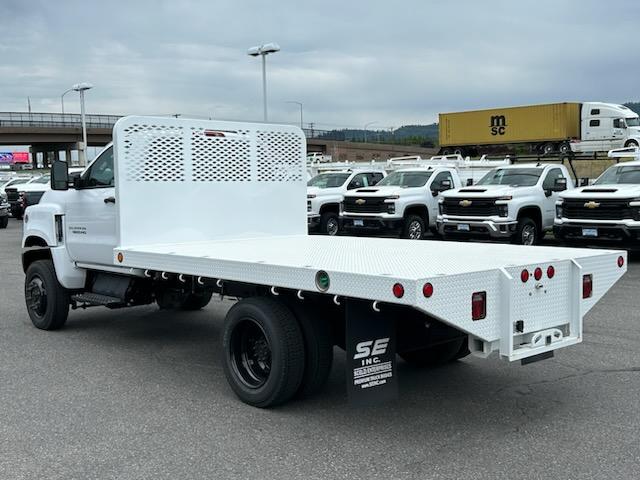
(140, 393)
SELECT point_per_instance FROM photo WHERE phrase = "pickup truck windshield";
(44, 179)
(328, 180)
(620, 174)
(406, 179)
(632, 122)
(514, 177)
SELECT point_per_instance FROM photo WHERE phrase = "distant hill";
(635, 106)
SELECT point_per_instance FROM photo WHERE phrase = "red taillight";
(620, 261)
(398, 290)
(551, 271)
(587, 286)
(427, 290)
(478, 305)
(537, 274)
(524, 276)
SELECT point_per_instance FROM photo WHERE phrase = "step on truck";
(515, 203)
(608, 210)
(325, 193)
(102, 240)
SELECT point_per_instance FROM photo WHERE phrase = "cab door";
(441, 182)
(91, 213)
(550, 197)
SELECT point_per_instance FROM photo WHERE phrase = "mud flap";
(371, 354)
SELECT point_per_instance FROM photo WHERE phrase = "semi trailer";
(545, 129)
(103, 240)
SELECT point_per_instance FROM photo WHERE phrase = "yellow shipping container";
(527, 124)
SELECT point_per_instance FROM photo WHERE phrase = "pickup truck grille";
(370, 205)
(485, 207)
(606, 209)
(12, 194)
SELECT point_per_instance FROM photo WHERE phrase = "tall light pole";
(81, 88)
(300, 105)
(62, 98)
(263, 51)
(365, 129)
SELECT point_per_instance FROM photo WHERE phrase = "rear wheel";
(564, 148)
(196, 301)
(47, 301)
(4, 221)
(329, 223)
(526, 232)
(436, 354)
(414, 227)
(171, 298)
(631, 143)
(264, 355)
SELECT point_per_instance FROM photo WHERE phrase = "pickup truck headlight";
(558, 211)
(391, 207)
(503, 210)
(635, 208)
(440, 208)
(308, 205)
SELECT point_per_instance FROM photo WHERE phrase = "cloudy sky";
(348, 62)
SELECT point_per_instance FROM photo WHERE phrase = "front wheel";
(329, 223)
(47, 301)
(414, 227)
(526, 232)
(263, 352)
(631, 143)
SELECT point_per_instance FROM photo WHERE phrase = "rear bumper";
(477, 227)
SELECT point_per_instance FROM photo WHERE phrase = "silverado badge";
(465, 203)
(592, 204)
(361, 201)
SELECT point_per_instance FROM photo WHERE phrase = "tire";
(4, 221)
(318, 346)
(263, 352)
(564, 148)
(446, 151)
(548, 148)
(631, 143)
(329, 224)
(414, 227)
(196, 301)
(435, 355)
(47, 301)
(459, 151)
(526, 232)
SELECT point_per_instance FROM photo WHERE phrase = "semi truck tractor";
(563, 128)
(103, 240)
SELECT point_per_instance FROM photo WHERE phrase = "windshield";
(43, 179)
(406, 179)
(619, 174)
(328, 180)
(632, 122)
(514, 177)
(15, 181)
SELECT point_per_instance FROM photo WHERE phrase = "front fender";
(39, 221)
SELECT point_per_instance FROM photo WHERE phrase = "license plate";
(463, 227)
(589, 232)
(358, 223)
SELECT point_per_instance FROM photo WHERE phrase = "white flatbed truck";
(104, 240)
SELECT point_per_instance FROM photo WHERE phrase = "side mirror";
(560, 185)
(445, 185)
(469, 182)
(583, 182)
(59, 175)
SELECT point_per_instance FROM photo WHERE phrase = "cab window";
(100, 174)
(437, 182)
(550, 179)
(358, 181)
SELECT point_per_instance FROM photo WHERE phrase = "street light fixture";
(365, 129)
(81, 88)
(62, 98)
(263, 51)
(300, 105)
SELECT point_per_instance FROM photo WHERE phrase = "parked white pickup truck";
(516, 202)
(607, 210)
(104, 240)
(325, 193)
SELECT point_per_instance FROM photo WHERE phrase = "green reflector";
(322, 281)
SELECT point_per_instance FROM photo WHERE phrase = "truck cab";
(606, 126)
(607, 210)
(516, 203)
(404, 203)
(326, 191)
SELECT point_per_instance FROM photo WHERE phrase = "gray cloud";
(348, 62)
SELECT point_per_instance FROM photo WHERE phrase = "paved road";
(141, 394)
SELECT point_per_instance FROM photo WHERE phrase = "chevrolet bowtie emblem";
(361, 201)
(592, 204)
(465, 203)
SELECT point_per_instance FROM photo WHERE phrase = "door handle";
(110, 200)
